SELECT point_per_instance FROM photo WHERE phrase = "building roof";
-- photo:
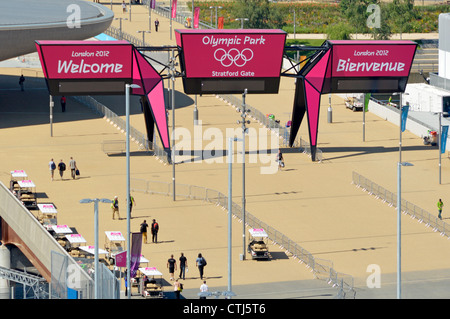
(24, 21)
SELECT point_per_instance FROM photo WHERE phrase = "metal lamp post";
(143, 36)
(120, 25)
(399, 201)
(96, 274)
(244, 130)
(293, 10)
(242, 21)
(127, 110)
(216, 7)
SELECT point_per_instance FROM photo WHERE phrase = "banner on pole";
(136, 247)
(404, 116)
(444, 138)
(196, 17)
(152, 4)
(174, 9)
(366, 101)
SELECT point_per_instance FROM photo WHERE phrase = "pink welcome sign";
(347, 66)
(372, 58)
(87, 59)
(103, 67)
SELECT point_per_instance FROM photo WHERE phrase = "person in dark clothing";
(21, 80)
(172, 265)
(144, 227)
(155, 229)
(63, 103)
(183, 266)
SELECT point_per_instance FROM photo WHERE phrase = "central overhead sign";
(230, 61)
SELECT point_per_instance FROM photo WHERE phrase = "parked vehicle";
(257, 246)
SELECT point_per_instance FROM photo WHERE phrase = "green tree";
(261, 14)
(338, 31)
(402, 14)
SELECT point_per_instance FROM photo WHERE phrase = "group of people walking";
(115, 206)
(74, 172)
(200, 263)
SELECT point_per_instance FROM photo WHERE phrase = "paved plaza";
(314, 204)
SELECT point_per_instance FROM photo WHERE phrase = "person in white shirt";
(52, 167)
(203, 288)
(73, 167)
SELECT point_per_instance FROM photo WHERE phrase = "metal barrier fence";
(135, 135)
(439, 81)
(407, 208)
(166, 11)
(322, 269)
(65, 276)
(282, 131)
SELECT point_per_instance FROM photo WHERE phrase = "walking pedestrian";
(52, 167)
(61, 168)
(177, 289)
(144, 227)
(172, 265)
(63, 103)
(440, 204)
(115, 207)
(203, 288)
(132, 203)
(280, 160)
(154, 230)
(124, 7)
(156, 25)
(21, 80)
(183, 266)
(201, 263)
(73, 167)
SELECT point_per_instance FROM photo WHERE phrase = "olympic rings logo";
(233, 56)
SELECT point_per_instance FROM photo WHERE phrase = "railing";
(135, 135)
(407, 208)
(39, 241)
(322, 269)
(165, 11)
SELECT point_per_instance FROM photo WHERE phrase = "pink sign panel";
(86, 59)
(372, 58)
(232, 53)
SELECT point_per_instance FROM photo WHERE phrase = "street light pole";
(120, 26)
(244, 129)
(127, 111)
(96, 254)
(173, 121)
(216, 7)
(242, 21)
(143, 36)
(230, 206)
